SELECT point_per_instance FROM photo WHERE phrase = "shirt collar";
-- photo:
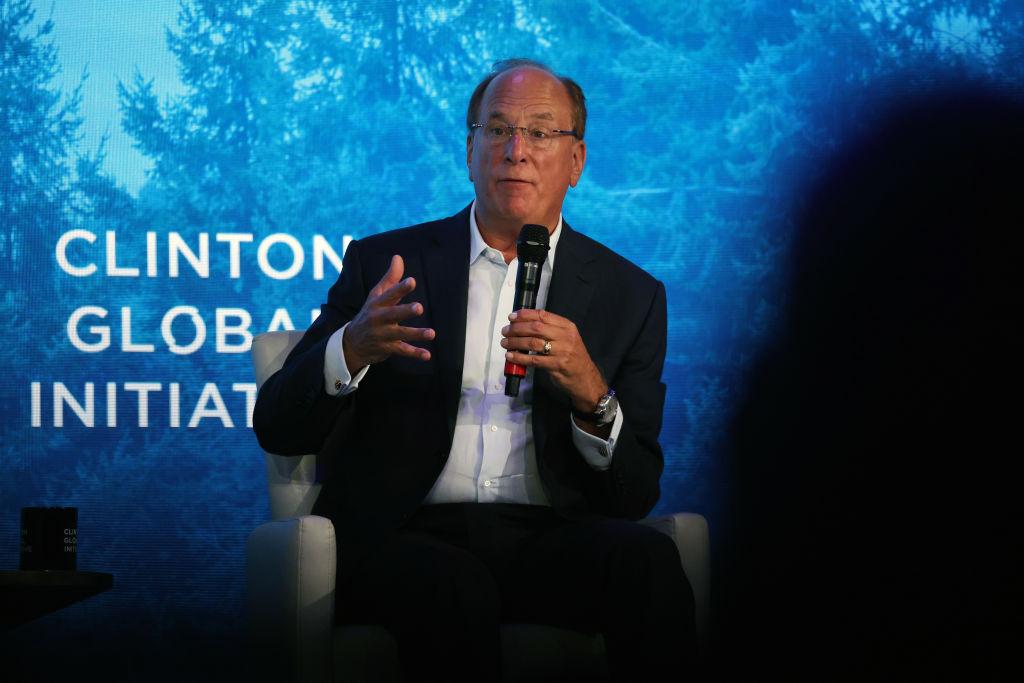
(477, 244)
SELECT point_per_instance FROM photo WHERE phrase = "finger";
(523, 344)
(394, 293)
(531, 360)
(410, 351)
(385, 315)
(538, 315)
(531, 329)
(399, 333)
(391, 277)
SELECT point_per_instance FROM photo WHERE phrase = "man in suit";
(456, 506)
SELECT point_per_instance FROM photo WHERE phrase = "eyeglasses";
(537, 137)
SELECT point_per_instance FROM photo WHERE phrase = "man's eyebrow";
(546, 115)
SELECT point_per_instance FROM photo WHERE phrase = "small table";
(27, 595)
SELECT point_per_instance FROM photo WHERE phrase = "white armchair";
(290, 565)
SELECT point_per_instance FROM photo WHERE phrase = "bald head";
(577, 101)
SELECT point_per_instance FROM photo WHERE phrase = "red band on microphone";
(513, 370)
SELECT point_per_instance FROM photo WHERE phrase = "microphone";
(531, 250)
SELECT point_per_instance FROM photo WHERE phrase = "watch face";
(604, 412)
(606, 408)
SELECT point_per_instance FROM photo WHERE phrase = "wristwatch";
(604, 413)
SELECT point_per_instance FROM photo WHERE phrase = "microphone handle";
(527, 284)
(528, 300)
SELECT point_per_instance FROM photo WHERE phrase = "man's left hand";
(568, 363)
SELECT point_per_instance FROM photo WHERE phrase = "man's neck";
(502, 235)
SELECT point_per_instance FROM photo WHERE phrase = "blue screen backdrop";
(178, 176)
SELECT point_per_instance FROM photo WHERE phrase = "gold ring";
(547, 348)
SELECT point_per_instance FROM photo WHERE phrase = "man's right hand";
(374, 334)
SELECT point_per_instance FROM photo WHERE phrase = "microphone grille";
(532, 244)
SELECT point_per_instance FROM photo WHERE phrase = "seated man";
(457, 507)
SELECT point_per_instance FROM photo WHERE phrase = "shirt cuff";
(595, 450)
(338, 381)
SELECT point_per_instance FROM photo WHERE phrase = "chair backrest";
(291, 480)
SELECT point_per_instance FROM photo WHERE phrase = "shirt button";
(494, 428)
(508, 284)
(487, 483)
(497, 385)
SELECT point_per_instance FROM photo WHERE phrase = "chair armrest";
(290, 572)
(690, 533)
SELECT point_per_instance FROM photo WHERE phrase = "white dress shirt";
(493, 458)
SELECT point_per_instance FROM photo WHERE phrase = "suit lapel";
(572, 286)
(572, 280)
(446, 271)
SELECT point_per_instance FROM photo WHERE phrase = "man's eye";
(497, 131)
(538, 133)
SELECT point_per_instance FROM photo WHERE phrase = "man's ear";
(469, 155)
(579, 160)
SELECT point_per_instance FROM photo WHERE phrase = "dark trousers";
(445, 581)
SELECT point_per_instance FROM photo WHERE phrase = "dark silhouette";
(877, 527)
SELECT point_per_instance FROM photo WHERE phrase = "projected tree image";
(38, 128)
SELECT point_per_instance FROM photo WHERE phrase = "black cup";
(49, 538)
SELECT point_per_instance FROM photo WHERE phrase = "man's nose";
(515, 148)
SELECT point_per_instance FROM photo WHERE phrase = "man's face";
(515, 182)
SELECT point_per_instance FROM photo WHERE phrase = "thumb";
(392, 277)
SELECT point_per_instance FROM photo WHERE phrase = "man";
(458, 507)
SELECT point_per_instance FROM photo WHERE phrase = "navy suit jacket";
(382, 447)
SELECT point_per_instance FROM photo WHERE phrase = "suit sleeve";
(630, 488)
(294, 414)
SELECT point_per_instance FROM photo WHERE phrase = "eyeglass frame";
(512, 129)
